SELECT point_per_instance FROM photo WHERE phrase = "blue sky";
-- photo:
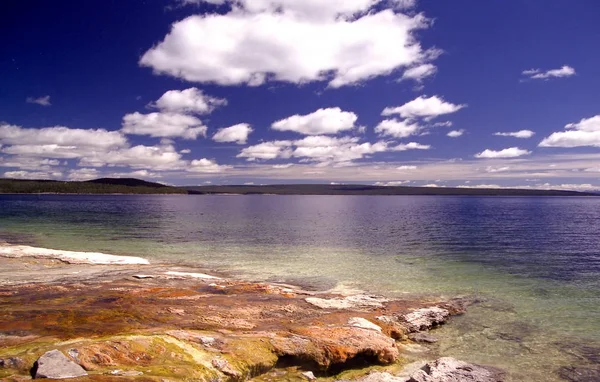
(442, 93)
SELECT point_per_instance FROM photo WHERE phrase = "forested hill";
(325, 189)
(97, 186)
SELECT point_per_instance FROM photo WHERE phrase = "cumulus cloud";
(420, 72)
(410, 146)
(406, 168)
(517, 134)
(393, 183)
(422, 107)
(492, 169)
(267, 150)
(206, 166)
(538, 74)
(237, 133)
(512, 152)
(168, 125)
(60, 135)
(456, 133)
(42, 101)
(163, 157)
(323, 121)
(81, 174)
(38, 150)
(29, 163)
(33, 175)
(191, 100)
(398, 128)
(323, 149)
(343, 42)
(583, 133)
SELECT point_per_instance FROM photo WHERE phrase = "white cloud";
(393, 183)
(81, 174)
(456, 133)
(191, 100)
(397, 128)
(322, 149)
(517, 134)
(60, 136)
(158, 158)
(583, 133)
(29, 163)
(492, 169)
(341, 41)
(283, 166)
(267, 150)
(43, 101)
(420, 72)
(32, 175)
(512, 152)
(323, 121)
(484, 186)
(336, 150)
(206, 166)
(421, 107)
(237, 133)
(406, 168)
(170, 125)
(410, 146)
(441, 124)
(538, 74)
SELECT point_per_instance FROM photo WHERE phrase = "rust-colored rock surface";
(169, 327)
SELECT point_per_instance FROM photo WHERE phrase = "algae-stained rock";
(448, 369)
(54, 364)
(360, 322)
(328, 346)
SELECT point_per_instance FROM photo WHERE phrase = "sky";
(458, 93)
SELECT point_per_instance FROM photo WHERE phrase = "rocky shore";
(143, 322)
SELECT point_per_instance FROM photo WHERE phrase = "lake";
(533, 262)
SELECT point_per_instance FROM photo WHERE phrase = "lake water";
(534, 262)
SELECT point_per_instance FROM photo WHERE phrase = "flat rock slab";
(54, 364)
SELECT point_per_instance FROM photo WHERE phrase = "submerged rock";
(54, 364)
(378, 376)
(579, 374)
(423, 337)
(448, 369)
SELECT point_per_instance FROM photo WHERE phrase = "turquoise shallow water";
(533, 262)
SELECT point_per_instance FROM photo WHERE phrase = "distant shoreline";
(132, 186)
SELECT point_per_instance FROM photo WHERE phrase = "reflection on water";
(535, 261)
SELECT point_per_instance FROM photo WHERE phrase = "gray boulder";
(54, 364)
(448, 369)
